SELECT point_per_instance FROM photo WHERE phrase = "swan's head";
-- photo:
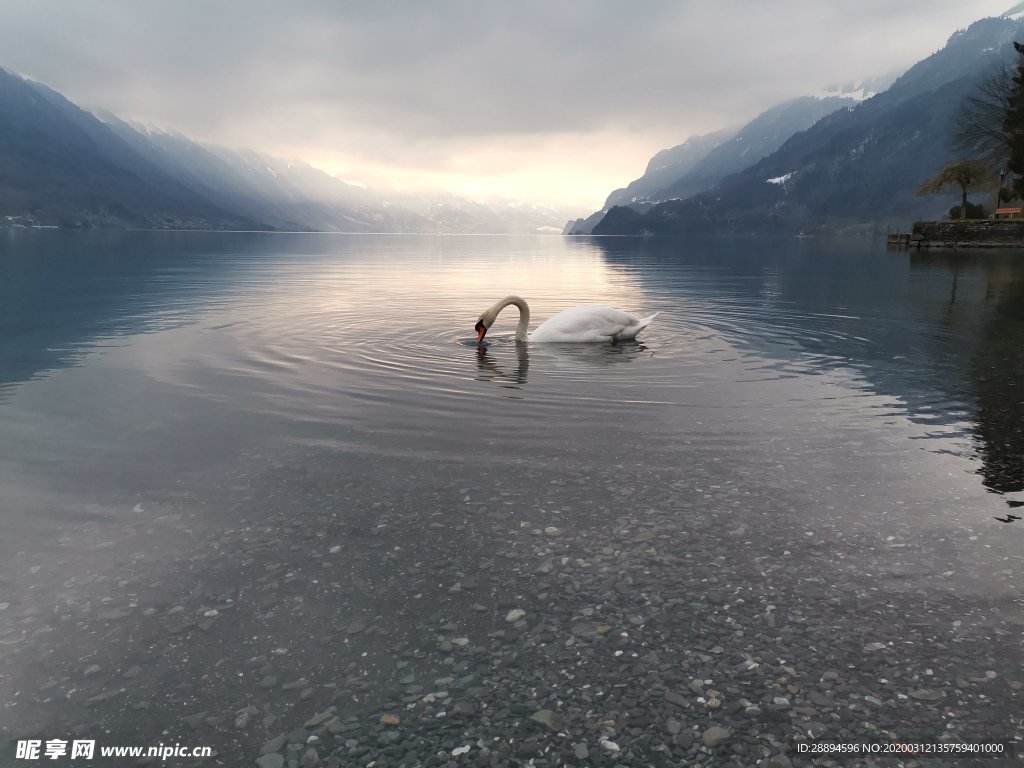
(485, 321)
(488, 316)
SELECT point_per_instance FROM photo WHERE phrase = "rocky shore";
(985, 233)
(450, 621)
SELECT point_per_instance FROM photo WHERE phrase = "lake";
(251, 479)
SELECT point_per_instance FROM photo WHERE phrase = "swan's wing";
(589, 324)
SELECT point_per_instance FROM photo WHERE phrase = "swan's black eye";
(479, 325)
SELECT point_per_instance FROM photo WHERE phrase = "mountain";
(586, 226)
(702, 161)
(853, 166)
(757, 139)
(667, 166)
(447, 212)
(289, 195)
(61, 165)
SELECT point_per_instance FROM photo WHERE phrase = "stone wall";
(974, 233)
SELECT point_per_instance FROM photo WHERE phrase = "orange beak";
(481, 332)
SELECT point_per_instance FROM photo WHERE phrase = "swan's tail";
(633, 331)
(645, 321)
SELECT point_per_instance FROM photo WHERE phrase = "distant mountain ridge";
(282, 194)
(702, 161)
(59, 165)
(858, 164)
(667, 166)
(63, 166)
(757, 139)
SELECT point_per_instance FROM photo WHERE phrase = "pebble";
(515, 615)
(273, 760)
(242, 720)
(820, 700)
(715, 735)
(548, 718)
(674, 698)
(318, 719)
(275, 744)
(195, 720)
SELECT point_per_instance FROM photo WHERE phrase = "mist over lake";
(255, 478)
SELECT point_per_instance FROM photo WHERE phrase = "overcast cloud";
(549, 100)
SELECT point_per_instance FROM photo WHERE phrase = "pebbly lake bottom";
(243, 512)
(435, 614)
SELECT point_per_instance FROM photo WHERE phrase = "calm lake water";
(869, 401)
(133, 362)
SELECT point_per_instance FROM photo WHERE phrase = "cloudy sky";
(557, 100)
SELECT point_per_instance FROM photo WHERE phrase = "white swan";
(588, 324)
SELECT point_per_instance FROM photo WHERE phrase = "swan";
(588, 324)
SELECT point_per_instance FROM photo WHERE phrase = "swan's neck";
(524, 314)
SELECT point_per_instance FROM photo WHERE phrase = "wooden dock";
(900, 242)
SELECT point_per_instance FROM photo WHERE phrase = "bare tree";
(980, 128)
(1013, 122)
(967, 175)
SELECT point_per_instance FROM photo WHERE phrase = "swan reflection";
(488, 368)
(495, 362)
(575, 356)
